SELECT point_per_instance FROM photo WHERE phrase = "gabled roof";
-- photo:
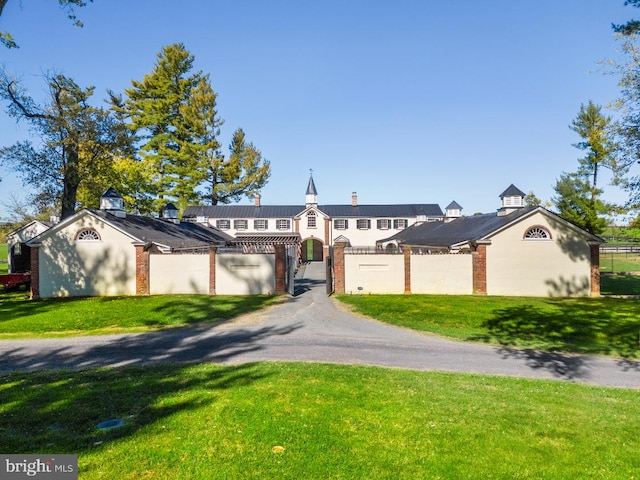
(469, 229)
(383, 211)
(512, 191)
(243, 211)
(43, 224)
(334, 211)
(150, 230)
(453, 206)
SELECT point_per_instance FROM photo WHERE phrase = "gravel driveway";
(311, 327)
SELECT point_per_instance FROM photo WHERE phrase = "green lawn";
(609, 326)
(21, 317)
(293, 421)
(4, 268)
(619, 262)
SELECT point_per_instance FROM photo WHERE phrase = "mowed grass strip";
(288, 420)
(4, 267)
(608, 326)
(21, 317)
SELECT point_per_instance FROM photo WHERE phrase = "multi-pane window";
(283, 224)
(240, 224)
(383, 224)
(341, 224)
(87, 235)
(363, 224)
(399, 223)
(311, 220)
(260, 224)
(223, 224)
(537, 233)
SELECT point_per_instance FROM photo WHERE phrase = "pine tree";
(173, 113)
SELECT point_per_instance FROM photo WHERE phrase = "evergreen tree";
(173, 114)
(576, 203)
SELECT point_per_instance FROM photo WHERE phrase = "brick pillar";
(281, 270)
(142, 270)
(338, 267)
(406, 251)
(35, 272)
(327, 239)
(479, 259)
(212, 269)
(296, 225)
(595, 270)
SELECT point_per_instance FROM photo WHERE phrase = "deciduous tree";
(76, 141)
(7, 39)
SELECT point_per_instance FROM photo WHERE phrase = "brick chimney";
(354, 199)
(257, 200)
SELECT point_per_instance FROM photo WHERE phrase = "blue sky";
(401, 101)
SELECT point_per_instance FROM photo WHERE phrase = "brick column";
(338, 267)
(142, 270)
(212, 269)
(406, 251)
(281, 270)
(35, 273)
(479, 259)
(327, 239)
(595, 270)
(296, 225)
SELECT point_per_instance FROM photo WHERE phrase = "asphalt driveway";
(311, 327)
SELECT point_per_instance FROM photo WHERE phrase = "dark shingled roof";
(453, 206)
(243, 211)
(163, 232)
(460, 230)
(512, 191)
(334, 211)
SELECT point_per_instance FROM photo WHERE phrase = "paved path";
(311, 327)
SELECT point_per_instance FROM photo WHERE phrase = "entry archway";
(312, 250)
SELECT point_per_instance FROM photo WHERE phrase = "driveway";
(311, 327)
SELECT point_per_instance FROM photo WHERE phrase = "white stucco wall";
(557, 267)
(245, 274)
(178, 273)
(442, 274)
(374, 273)
(76, 268)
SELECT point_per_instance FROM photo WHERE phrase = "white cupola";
(452, 211)
(112, 202)
(512, 199)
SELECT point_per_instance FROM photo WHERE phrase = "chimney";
(354, 199)
(257, 200)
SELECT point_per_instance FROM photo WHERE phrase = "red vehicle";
(14, 280)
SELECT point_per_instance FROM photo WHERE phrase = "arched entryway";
(311, 250)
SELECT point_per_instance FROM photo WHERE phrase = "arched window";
(87, 235)
(537, 233)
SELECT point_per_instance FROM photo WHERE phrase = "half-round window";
(88, 235)
(537, 233)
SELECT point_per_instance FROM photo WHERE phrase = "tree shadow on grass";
(60, 410)
(544, 335)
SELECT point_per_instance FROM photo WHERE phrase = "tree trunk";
(70, 183)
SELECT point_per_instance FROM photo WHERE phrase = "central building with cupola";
(319, 226)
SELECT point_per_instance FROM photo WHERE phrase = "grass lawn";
(620, 284)
(4, 267)
(619, 262)
(584, 325)
(288, 420)
(21, 317)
